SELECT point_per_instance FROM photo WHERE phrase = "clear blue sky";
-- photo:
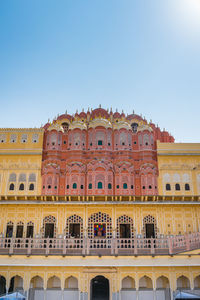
(126, 54)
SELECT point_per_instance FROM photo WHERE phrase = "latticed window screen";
(74, 219)
(100, 136)
(150, 220)
(122, 138)
(2, 138)
(125, 220)
(22, 177)
(77, 139)
(146, 139)
(12, 177)
(32, 177)
(53, 138)
(24, 138)
(49, 180)
(99, 178)
(35, 138)
(109, 137)
(84, 138)
(29, 229)
(116, 138)
(99, 218)
(48, 220)
(13, 138)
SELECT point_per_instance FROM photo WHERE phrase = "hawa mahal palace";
(99, 205)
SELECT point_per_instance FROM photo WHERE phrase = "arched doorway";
(99, 288)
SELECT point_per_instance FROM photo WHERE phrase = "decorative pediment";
(78, 124)
(176, 166)
(144, 127)
(75, 166)
(55, 126)
(100, 122)
(124, 166)
(121, 124)
(99, 163)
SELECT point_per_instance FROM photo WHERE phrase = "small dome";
(117, 115)
(83, 115)
(100, 112)
(65, 116)
(133, 116)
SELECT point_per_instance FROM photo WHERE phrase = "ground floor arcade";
(93, 278)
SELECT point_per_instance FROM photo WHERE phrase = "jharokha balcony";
(99, 246)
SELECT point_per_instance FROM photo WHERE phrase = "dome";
(100, 112)
(133, 116)
(116, 115)
(65, 116)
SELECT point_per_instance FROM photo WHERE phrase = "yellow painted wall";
(179, 163)
(170, 219)
(115, 275)
(20, 153)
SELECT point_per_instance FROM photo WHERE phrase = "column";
(137, 286)
(154, 293)
(62, 287)
(154, 286)
(45, 287)
(45, 295)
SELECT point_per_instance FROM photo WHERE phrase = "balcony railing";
(99, 246)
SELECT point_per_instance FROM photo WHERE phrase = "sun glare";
(190, 9)
(184, 16)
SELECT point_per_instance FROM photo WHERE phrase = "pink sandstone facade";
(101, 153)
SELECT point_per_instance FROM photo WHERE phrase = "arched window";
(81, 186)
(100, 185)
(177, 187)
(29, 230)
(32, 177)
(100, 142)
(117, 186)
(187, 187)
(9, 229)
(168, 187)
(54, 283)
(19, 230)
(134, 127)
(90, 186)
(12, 177)
(125, 186)
(74, 186)
(22, 177)
(11, 187)
(109, 186)
(31, 187)
(71, 283)
(21, 187)
(128, 283)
